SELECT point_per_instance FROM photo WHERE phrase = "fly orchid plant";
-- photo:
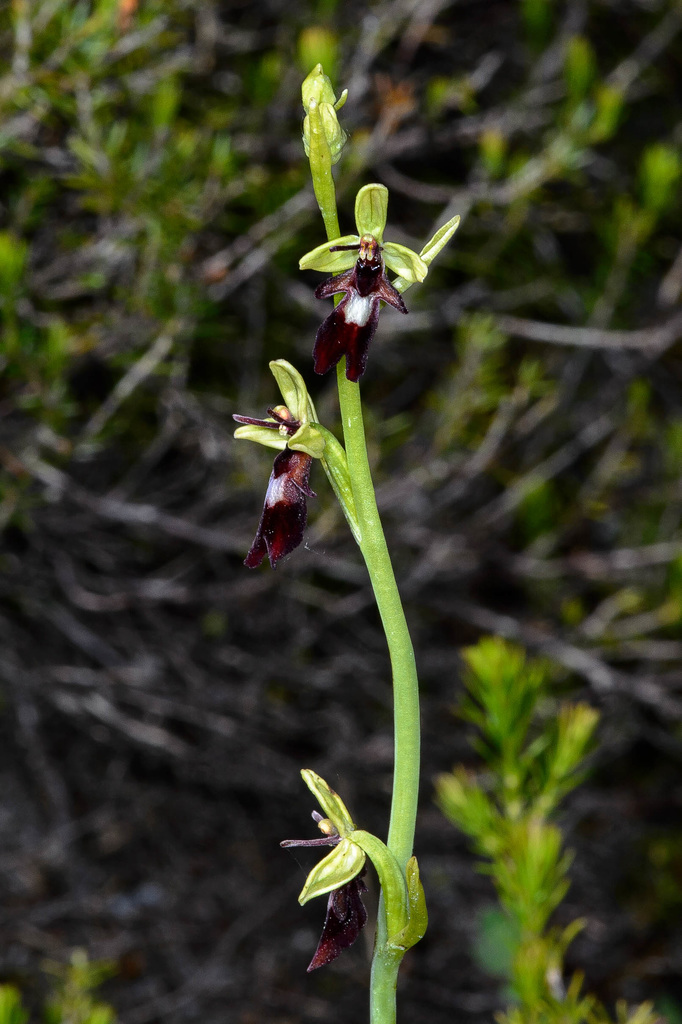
(359, 264)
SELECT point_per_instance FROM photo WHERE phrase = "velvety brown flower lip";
(350, 327)
(285, 512)
(346, 917)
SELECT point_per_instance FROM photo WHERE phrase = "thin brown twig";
(651, 340)
(603, 678)
(598, 565)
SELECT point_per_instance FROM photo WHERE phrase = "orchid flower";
(350, 327)
(291, 428)
(339, 874)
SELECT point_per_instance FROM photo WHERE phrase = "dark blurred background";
(525, 426)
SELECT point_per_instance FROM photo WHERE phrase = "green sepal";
(330, 802)
(336, 869)
(262, 435)
(308, 439)
(439, 240)
(294, 392)
(328, 262)
(335, 465)
(371, 208)
(429, 252)
(418, 917)
(404, 262)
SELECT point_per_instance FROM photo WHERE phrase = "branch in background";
(649, 340)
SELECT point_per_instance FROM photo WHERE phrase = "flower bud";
(317, 87)
(321, 105)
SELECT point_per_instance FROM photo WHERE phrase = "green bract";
(440, 239)
(335, 465)
(321, 105)
(418, 917)
(371, 206)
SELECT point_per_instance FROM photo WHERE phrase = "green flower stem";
(383, 984)
(372, 542)
(405, 685)
(406, 729)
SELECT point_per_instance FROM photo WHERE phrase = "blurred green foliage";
(111, 143)
(113, 166)
(11, 1009)
(72, 1000)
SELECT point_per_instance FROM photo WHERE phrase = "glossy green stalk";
(372, 543)
(405, 684)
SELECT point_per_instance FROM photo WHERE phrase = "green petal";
(331, 262)
(292, 386)
(404, 262)
(261, 435)
(371, 206)
(340, 866)
(440, 239)
(308, 439)
(330, 802)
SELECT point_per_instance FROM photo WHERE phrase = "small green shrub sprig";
(72, 1000)
(534, 755)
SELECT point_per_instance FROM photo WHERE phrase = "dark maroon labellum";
(285, 512)
(346, 916)
(350, 327)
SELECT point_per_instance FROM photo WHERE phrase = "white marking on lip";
(276, 490)
(358, 309)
